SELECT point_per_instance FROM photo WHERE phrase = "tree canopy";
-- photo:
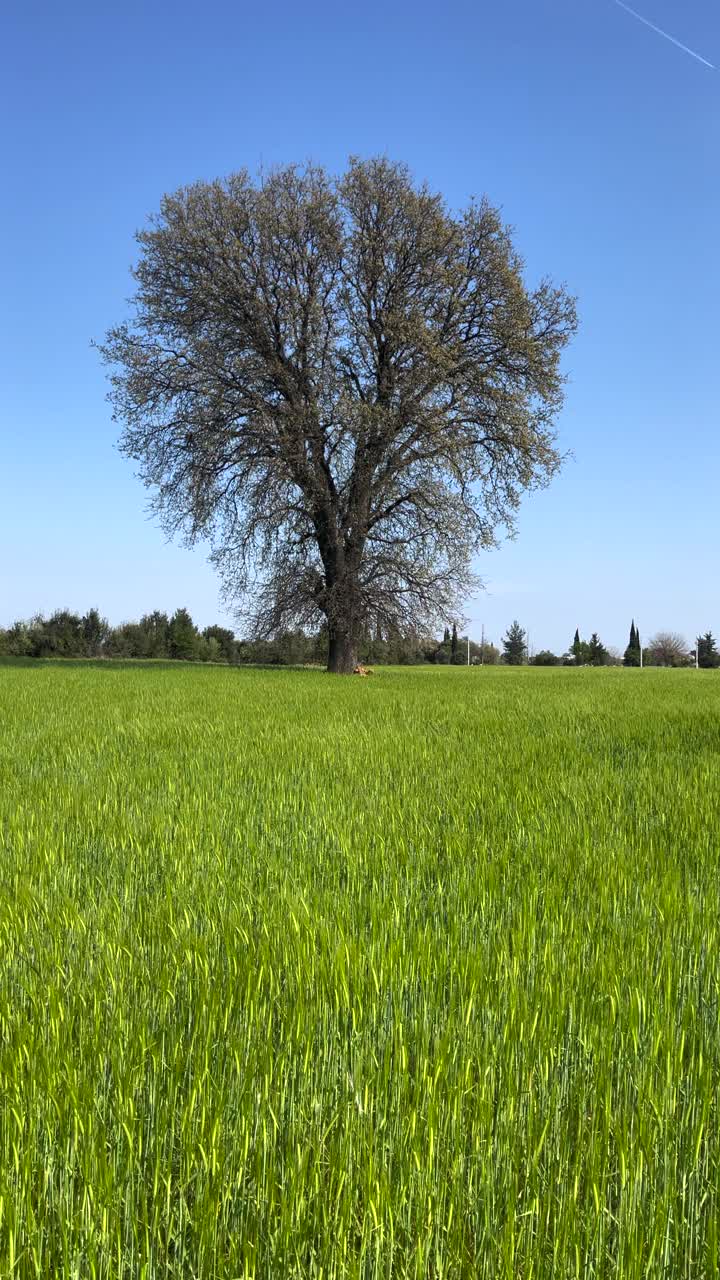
(343, 385)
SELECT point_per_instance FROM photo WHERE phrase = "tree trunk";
(342, 651)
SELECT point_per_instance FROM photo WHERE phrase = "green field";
(414, 976)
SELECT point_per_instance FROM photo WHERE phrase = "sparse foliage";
(488, 654)
(667, 649)
(342, 385)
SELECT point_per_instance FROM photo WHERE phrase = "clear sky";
(597, 137)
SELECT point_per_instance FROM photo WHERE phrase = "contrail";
(660, 32)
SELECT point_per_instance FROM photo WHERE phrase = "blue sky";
(599, 140)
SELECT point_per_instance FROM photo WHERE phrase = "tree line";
(159, 635)
(64, 634)
(664, 649)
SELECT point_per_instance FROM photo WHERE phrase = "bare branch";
(340, 384)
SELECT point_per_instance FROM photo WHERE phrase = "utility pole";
(482, 646)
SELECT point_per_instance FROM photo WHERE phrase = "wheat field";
(414, 976)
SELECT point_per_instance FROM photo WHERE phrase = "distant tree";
(514, 645)
(226, 641)
(459, 655)
(375, 649)
(95, 632)
(475, 651)
(441, 655)
(18, 640)
(182, 636)
(545, 658)
(708, 656)
(59, 636)
(597, 653)
(579, 655)
(407, 648)
(154, 637)
(319, 646)
(129, 640)
(293, 647)
(490, 654)
(486, 652)
(243, 652)
(208, 649)
(667, 649)
(632, 652)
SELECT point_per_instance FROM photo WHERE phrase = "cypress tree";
(454, 641)
(632, 653)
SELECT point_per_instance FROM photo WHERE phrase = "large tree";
(341, 384)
